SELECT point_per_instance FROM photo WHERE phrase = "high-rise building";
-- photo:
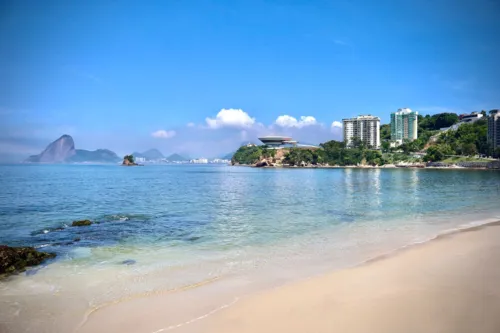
(494, 129)
(366, 128)
(404, 125)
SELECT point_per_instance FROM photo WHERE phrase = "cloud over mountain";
(162, 134)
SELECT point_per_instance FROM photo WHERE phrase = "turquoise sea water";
(181, 224)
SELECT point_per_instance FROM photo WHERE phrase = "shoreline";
(451, 167)
(445, 285)
(138, 308)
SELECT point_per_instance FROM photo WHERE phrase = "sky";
(201, 77)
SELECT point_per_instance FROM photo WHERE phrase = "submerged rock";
(81, 223)
(16, 259)
(128, 262)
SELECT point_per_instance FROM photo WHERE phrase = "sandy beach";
(449, 284)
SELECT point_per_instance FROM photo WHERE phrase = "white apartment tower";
(493, 135)
(366, 128)
(404, 125)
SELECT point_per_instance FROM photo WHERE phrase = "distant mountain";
(151, 154)
(176, 158)
(98, 156)
(56, 152)
(228, 156)
(63, 150)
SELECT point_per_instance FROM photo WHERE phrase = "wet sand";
(451, 284)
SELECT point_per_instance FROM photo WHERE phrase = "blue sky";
(200, 77)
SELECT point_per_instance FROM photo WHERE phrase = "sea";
(212, 230)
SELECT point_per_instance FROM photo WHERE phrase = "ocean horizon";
(165, 228)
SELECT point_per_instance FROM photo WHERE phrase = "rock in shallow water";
(16, 259)
(81, 223)
(128, 262)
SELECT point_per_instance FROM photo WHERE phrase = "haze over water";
(166, 227)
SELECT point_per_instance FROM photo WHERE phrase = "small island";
(128, 160)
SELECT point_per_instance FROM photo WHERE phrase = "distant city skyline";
(199, 78)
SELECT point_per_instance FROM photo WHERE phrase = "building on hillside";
(494, 129)
(364, 127)
(404, 125)
(279, 142)
(470, 118)
(139, 159)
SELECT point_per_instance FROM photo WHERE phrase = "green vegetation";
(296, 156)
(335, 153)
(436, 122)
(455, 159)
(268, 153)
(468, 140)
(129, 158)
(385, 132)
(248, 155)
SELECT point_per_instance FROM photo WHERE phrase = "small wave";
(123, 217)
(467, 227)
(148, 294)
(222, 307)
(48, 230)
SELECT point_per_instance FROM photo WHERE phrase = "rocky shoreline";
(495, 165)
(17, 259)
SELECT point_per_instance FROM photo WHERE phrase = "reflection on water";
(179, 225)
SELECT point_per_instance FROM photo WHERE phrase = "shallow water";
(164, 227)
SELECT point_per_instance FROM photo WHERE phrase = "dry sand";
(451, 284)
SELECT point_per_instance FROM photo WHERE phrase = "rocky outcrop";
(16, 259)
(128, 160)
(56, 152)
(81, 223)
(262, 163)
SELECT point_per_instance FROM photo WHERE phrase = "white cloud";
(190, 125)
(289, 121)
(231, 118)
(162, 134)
(336, 124)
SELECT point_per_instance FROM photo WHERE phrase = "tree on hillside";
(445, 120)
(467, 135)
(437, 121)
(386, 146)
(438, 153)
(469, 149)
(247, 155)
(129, 158)
(385, 132)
